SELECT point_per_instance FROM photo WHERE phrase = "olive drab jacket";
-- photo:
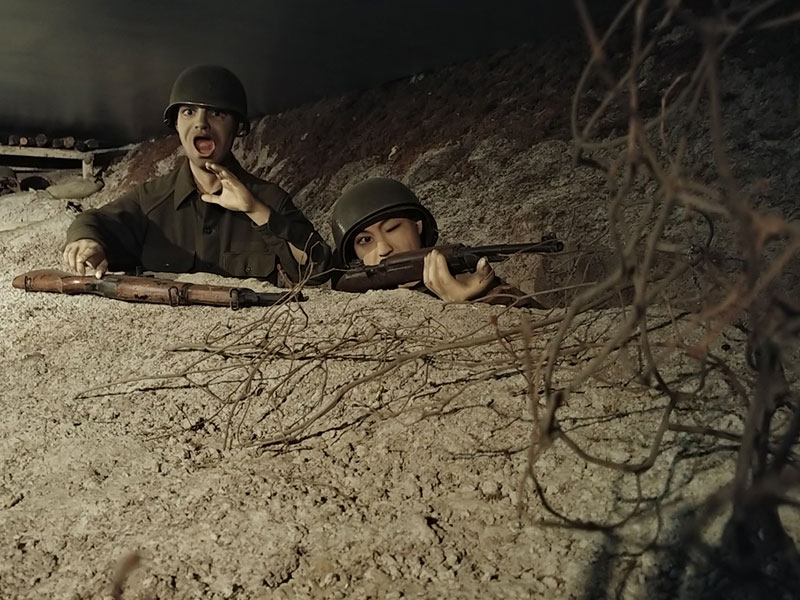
(163, 225)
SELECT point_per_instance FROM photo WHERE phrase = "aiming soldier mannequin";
(208, 214)
(380, 217)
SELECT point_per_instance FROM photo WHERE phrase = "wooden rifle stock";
(407, 267)
(146, 289)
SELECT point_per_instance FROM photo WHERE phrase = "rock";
(490, 489)
(76, 188)
(550, 582)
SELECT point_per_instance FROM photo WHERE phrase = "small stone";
(490, 488)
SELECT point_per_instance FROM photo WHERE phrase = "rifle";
(146, 289)
(406, 267)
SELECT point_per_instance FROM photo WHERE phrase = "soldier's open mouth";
(204, 145)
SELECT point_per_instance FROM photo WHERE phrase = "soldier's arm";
(274, 215)
(304, 242)
(118, 227)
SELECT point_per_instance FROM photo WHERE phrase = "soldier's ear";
(419, 227)
(242, 127)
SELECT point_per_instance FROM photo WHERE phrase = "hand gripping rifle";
(147, 289)
(406, 267)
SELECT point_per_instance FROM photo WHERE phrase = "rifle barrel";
(505, 250)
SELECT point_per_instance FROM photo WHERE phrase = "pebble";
(490, 488)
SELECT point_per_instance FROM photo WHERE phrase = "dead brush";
(653, 150)
(673, 304)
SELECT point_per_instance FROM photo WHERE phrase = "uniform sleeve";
(118, 226)
(290, 225)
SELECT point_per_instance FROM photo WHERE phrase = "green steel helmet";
(370, 201)
(209, 86)
(7, 173)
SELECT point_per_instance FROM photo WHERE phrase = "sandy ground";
(121, 434)
(409, 488)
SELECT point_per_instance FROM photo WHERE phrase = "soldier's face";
(387, 237)
(206, 134)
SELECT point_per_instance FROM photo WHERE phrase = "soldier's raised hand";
(235, 196)
(462, 287)
(83, 252)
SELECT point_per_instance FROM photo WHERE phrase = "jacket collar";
(184, 180)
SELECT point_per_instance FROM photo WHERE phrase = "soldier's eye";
(364, 239)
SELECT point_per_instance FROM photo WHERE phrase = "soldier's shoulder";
(267, 191)
(161, 182)
(158, 189)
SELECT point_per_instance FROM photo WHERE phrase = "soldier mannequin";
(208, 214)
(380, 217)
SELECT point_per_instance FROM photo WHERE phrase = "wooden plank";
(87, 158)
(43, 152)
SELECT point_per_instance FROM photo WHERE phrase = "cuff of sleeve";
(78, 231)
(277, 225)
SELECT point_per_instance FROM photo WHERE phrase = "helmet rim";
(344, 236)
(208, 86)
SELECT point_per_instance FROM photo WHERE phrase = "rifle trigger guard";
(234, 299)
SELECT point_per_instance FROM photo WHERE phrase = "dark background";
(104, 68)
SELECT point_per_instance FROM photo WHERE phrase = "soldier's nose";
(384, 249)
(201, 119)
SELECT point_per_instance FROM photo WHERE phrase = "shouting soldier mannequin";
(208, 214)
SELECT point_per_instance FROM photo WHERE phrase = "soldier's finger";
(430, 277)
(84, 252)
(484, 269)
(101, 269)
(210, 198)
(219, 171)
(437, 282)
(87, 256)
(440, 269)
(69, 255)
(426, 271)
